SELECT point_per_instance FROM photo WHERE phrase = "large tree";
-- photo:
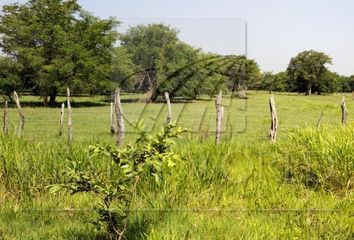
(242, 70)
(57, 44)
(307, 69)
(159, 58)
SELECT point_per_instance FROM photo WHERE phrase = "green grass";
(238, 190)
(251, 117)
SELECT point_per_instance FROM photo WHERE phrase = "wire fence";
(241, 117)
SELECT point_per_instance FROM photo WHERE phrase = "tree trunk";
(309, 88)
(45, 101)
(154, 94)
(52, 97)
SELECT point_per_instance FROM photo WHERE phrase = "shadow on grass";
(138, 228)
(136, 231)
(85, 235)
(74, 104)
(124, 100)
(83, 104)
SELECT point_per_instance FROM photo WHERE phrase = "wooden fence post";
(70, 121)
(344, 111)
(120, 120)
(219, 115)
(22, 116)
(112, 119)
(274, 120)
(5, 128)
(319, 120)
(169, 108)
(61, 120)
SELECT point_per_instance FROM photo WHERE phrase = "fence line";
(198, 124)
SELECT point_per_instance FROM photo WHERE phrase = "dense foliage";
(50, 45)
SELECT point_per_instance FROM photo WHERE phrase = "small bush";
(148, 156)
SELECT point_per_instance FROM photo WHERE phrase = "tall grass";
(320, 158)
(234, 190)
(28, 166)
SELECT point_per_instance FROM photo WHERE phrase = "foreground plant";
(147, 157)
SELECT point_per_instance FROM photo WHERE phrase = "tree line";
(48, 45)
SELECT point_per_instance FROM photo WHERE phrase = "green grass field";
(245, 188)
(249, 118)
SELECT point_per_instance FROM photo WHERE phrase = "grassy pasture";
(237, 190)
(246, 118)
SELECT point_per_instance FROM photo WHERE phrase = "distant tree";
(243, 70)
(9, 76)
(164, 63)
(274, 81)
(158, 55)
(267, 80)
(125, 73)
(306, 70)
(347, 83)
(57, 44)
(210, 75)
(351, 80)
(329, 82)
(280, 82)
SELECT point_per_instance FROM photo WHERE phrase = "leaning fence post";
(344, 111)
(112, 119)
(319, 120)
(61, 120)
(70, 121)
(169, 108)
(5, 128)
(120, 120)
(274, 120)
(22, 116)
(219, 115)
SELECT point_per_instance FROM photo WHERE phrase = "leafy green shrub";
(148, 156)
(319, 158)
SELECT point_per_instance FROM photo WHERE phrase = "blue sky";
(277, 29)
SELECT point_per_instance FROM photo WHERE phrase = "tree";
(124, 70)
(9, 79)
(158, 54)
(351, 81)
(57, 44)
(307, 68)
(148, 159)
(240, 70)
(329, 82)
(346, 83)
